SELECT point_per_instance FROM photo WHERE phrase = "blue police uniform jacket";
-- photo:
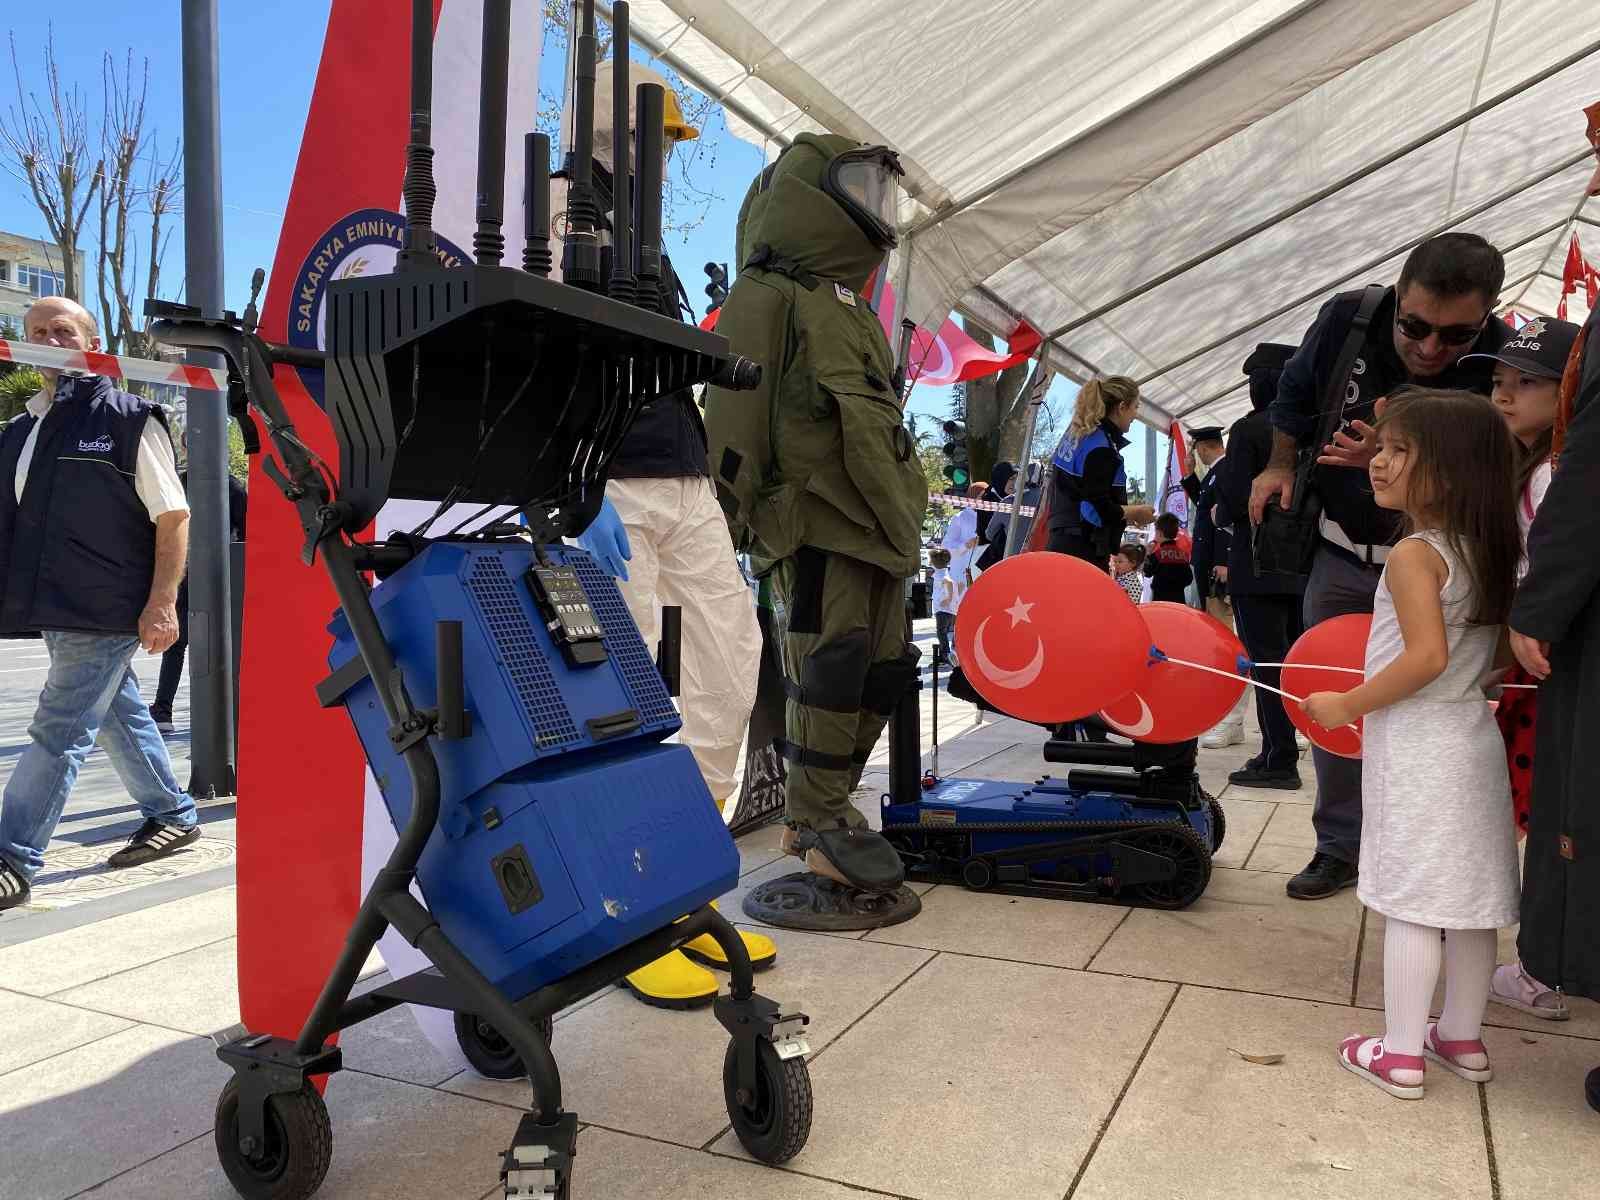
(78, 553)
(1070, 458)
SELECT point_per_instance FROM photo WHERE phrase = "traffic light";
(957, 471)
(717, 289)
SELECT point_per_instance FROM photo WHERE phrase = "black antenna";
(620, 286)
(580, 256)
(489, 243)
(650, 107)
(420, 250)
(536, 203)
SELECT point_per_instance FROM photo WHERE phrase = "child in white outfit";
(1438, 846)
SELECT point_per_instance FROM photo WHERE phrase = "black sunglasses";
(1417, 330)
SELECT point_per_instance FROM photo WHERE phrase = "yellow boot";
(672, 981)
(704, 949)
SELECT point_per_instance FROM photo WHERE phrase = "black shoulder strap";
(1339, 379)
(765, 258)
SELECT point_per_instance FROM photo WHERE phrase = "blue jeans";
(91, 691)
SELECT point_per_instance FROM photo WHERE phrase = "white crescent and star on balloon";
(1021, 677)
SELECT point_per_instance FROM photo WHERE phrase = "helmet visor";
(866, 184)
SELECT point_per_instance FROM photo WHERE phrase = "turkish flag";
(1574, 272)
(950, 355)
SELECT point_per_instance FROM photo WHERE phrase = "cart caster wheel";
(775, 1125)
(490, 1054)
(977, 874)
(299, 1145)
(1219, 823)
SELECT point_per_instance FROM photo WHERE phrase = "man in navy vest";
(94, 532)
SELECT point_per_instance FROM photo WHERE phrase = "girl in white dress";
(1438, 844)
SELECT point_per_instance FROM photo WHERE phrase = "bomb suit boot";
(820, 484)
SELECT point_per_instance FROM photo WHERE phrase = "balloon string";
(1314, 667)
(1181, 662)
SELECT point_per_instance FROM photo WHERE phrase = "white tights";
(1411, 957)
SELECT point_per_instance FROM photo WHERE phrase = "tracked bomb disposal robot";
(505, 701)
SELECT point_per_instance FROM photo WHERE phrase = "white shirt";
(1528, 505)
(155, 476)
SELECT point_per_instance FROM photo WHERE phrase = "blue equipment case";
(1098, 836)
(566, 829)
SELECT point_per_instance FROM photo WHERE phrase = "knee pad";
(887, 682)
(833, 675)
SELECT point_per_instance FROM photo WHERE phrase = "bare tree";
(997, 410)
(137, 184)
(133, 188)
(46, 145)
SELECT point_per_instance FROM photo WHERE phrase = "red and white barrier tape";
(1025, 510)
(114, 366)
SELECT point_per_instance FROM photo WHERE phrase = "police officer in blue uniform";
(1089, 506)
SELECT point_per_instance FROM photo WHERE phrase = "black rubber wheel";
(775, 1127)
(977, 874)
(1219, 823)
(490, 1054)
(299, 1145)
(1183, 845)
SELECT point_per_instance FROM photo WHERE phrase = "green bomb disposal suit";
(816, 471)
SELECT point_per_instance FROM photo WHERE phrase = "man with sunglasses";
(1440, 311)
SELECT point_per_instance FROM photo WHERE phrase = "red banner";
(301, 769)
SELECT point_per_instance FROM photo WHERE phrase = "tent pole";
(1565, 164)
(1324, 193)
(1038, 385)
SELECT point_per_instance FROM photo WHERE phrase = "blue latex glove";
(607, 540)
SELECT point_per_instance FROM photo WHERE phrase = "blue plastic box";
(564, 832)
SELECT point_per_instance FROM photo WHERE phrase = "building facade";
(29, 270)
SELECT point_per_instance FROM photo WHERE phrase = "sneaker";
(1380, 1067)
(1513, 987)
(1301, 742)
(14, 889)
(1591, 1089)
(1324, 876)
(1254, 776)
(1468, 1059)
(1223, 736)
(152, 840)
(163, 718)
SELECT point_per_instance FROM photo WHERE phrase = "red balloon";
(1173, 703)
(1337, 642)
(1048, 638)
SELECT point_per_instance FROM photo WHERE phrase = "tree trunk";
(997, 409)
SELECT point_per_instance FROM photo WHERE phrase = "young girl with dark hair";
(1438, 848)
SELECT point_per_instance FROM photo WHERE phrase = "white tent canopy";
(1158, 185)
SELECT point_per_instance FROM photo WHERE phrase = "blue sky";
(269, 55)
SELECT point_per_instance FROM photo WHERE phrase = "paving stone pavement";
(992, 1047)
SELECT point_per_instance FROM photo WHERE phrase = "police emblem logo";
(366, 242)
(1532, 331)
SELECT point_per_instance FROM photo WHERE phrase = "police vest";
(1070, 457)
(78, 554)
